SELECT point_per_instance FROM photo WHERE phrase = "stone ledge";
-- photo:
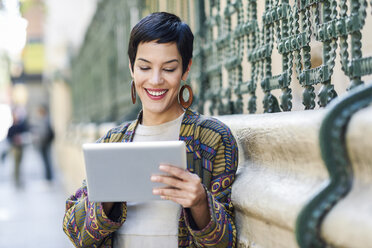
(280, 169)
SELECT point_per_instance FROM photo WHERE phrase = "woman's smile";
(156, 94)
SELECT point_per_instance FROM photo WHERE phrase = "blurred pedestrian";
(43, 136)
(4, 151)
(17, 137)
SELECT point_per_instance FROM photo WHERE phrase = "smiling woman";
(194, 209)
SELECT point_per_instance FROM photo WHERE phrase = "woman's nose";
(156, 77)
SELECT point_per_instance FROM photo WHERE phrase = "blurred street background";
(31, 216)
(37, 39)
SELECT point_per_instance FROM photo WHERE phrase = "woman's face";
(157, 74)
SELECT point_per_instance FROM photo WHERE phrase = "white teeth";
(156, 93)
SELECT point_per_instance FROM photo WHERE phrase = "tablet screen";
(119, 172)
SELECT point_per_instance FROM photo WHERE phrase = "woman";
(198, 211)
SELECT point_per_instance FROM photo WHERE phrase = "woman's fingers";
(175, 171)
(183, 187)
(180, 173)
(192, 186)
(169, 180)
(175, 188)
(169, 192)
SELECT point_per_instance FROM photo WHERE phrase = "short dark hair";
(162, 27)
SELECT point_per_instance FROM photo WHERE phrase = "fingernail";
(154, 178)
(155, 191)
(162, 167)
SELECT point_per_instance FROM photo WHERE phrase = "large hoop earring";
(133, 92)
(183, 103)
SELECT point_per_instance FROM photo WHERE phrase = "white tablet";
(119, 172)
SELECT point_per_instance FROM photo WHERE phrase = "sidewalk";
(31, 216)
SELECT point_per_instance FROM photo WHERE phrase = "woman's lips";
(156, 94)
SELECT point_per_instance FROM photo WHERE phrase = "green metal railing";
(100, 76)
(291, 29)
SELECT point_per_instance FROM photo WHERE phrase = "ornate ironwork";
(291, 29)
(100, 79)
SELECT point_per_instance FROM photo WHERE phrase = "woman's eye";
(145, 68)
(169, 70)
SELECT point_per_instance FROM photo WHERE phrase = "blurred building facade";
(33, 61)
(13, 38)
(22, 69)
(65, 26)
(249, 57)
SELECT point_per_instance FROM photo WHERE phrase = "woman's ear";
(186, 74)
(130, 69)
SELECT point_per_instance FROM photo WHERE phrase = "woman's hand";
(185, 189)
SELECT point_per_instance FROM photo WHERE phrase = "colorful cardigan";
(212, 154)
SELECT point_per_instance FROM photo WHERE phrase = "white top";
(154, 223)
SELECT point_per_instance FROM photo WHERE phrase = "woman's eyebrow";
(167, 62)
(170, 61)
(145, 60)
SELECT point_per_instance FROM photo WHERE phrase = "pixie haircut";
(162, 27)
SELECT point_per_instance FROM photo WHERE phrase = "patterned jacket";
(212, 154)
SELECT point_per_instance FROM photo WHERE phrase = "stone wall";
(281, 169)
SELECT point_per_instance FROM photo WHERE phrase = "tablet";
(117, 172)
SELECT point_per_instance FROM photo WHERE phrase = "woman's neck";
(152, 119)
